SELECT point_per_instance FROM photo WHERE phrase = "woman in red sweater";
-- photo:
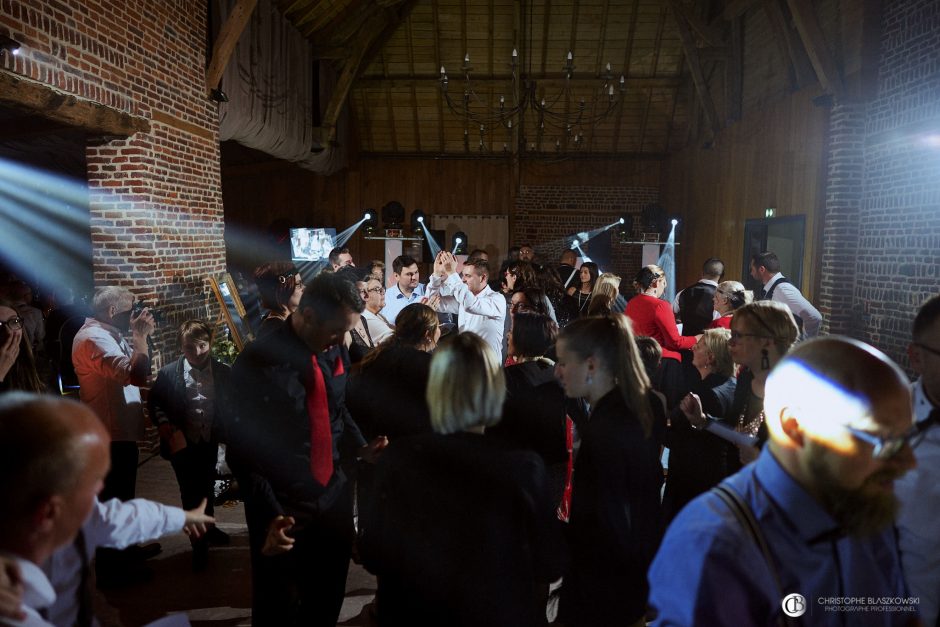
(653, 317)
(729, 296)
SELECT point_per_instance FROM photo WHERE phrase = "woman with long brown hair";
(280, 287)
(614, 527)
(17, 365)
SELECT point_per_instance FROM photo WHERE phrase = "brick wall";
(547, 217)
(898, 261)
(155, 198)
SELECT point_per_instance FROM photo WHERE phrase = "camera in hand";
(139, 306)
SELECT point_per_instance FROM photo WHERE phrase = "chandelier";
(556, 116)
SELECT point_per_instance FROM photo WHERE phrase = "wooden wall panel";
(774, 158)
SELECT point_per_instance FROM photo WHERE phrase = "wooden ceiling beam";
(554, 82)
(374, 33)
(799, 69)
(35, 98)
(226, 41)
(804, 17)
(712, 35)
(695, 68)
(736, 8)
(627, 59)
(435, 19)
(734, 71)
(330, 52)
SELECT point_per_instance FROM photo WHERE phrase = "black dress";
(697, 459)
(461, 533)
(614, 529)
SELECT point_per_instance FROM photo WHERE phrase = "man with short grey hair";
(110, 372)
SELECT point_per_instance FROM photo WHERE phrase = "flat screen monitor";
(311, 244)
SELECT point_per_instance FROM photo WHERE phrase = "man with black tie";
(919, 490)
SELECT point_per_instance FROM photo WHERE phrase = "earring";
(764, 359)
(589, 380)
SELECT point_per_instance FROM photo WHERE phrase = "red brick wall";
(897, 254)
(545, 216)
(155, 198)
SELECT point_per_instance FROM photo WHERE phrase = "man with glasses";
(919, 490)
(374, 296)
(809, 524)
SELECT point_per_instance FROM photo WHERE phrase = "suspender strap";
(745, 516)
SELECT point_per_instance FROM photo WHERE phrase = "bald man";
(809, 524)
(53, 460)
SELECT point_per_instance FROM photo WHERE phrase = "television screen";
(310, 244)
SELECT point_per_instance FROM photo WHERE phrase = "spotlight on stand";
(218, 95)
(418, 223)
(393, 214)
(459, 243)
(370, 221)
(9, 45)
(623, 231)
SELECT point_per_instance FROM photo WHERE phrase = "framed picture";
(233, 311)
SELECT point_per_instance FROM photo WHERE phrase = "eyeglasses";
(737, 335)
(932, 351)
(519, 306)
(886, 448)
(377, 290)
(15, 323)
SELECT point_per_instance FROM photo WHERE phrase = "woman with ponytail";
(729, 297)
(652, 316)
(614, 527)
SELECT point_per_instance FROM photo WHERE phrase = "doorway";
(783, 236)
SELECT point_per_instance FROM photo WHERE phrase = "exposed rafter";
(32, 97)
(225, 43)
(695, 68)
(804, 16)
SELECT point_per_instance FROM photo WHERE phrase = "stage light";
(9, 45)
(674, 222)
(622, 230)
(459, 243)
(370, 221)
(393, 214)
(418, 223)
(218, 95)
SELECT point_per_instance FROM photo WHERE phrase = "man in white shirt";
(53, 459)
(765, 267)
(919, 490)
(379, 327)
(479, 309)
(110, 373)
(407, 288)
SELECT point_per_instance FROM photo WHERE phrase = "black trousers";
(195, 473)
(305, 586)
(121, 482)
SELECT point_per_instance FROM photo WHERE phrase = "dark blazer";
(387, 396)
(697, 459)
(696, 307)
(460, 532)
(614, 529)
(270, 435)
(167, 399)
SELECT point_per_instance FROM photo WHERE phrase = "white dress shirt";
(790, 295)
(113, 524)
(395, 301)
(379, 327)
(102, 360)
(918, 536)
(38, 594)
(483, 313)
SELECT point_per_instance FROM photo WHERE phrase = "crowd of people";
(514, 446)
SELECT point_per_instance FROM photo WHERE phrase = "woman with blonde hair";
(615, 519)
(697, 458)
(729, 297)
(453, 506)
(761, 335)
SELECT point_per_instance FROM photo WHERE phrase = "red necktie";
(321, 438)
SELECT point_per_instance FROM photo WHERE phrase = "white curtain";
(491, 233)
(269, 82)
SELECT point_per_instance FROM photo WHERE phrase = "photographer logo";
(794, 605)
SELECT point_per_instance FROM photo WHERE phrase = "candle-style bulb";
(515, 53)
(443, 71)
(570, 56)
(466, 58)
(608, 66)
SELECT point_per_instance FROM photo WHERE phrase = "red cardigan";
(723, 322)
(653, 317)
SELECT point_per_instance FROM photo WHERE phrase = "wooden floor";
(219, 596)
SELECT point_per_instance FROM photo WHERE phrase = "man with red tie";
(290, 434)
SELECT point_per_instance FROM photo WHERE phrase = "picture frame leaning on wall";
(233, 311)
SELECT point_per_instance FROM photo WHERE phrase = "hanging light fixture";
(557, 118)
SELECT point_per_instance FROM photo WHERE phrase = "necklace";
(582, 303)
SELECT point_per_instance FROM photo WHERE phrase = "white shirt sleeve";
(448, 303)
(494, 308)
(119, 524)
(790, 295)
